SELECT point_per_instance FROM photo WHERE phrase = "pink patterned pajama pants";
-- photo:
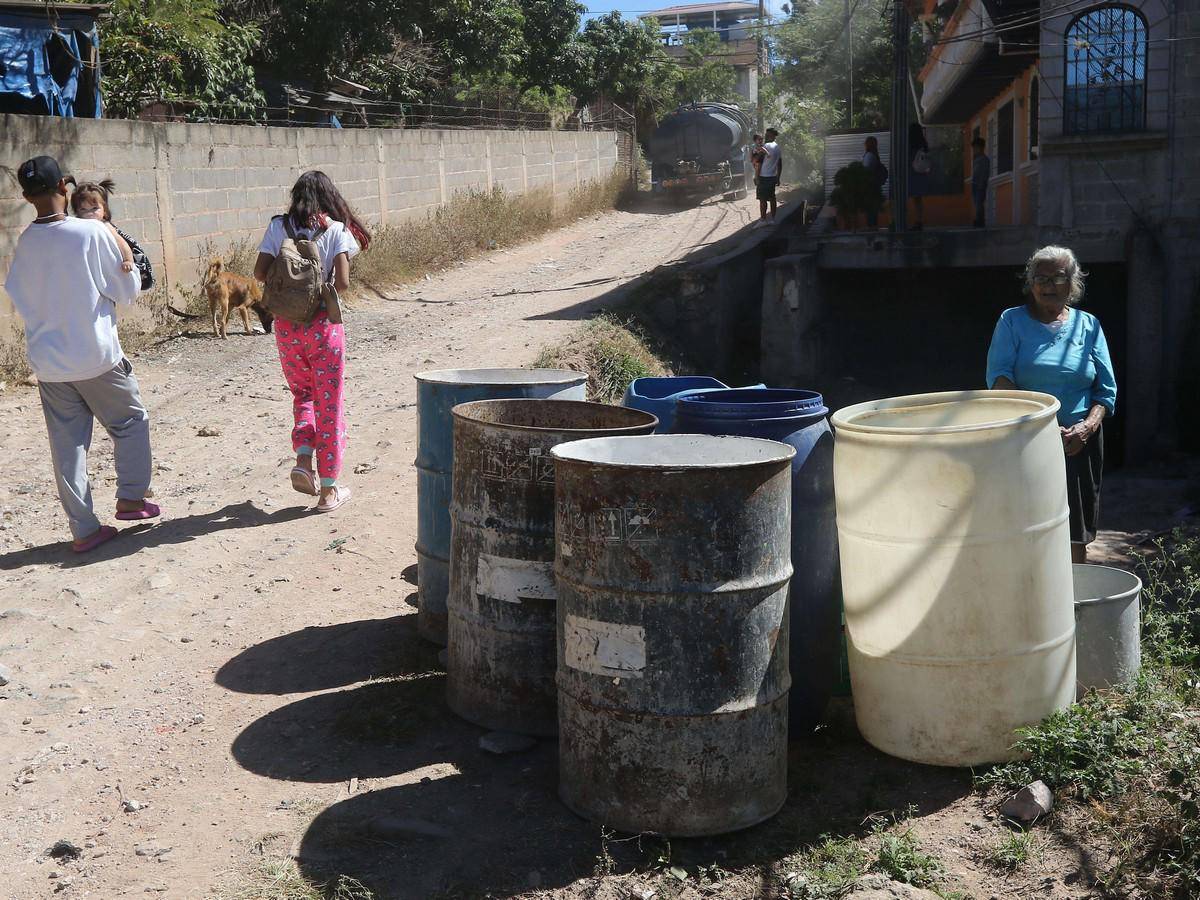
(314, 361)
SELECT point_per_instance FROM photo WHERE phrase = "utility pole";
(762, 44)
(849, 59)
(898, 175)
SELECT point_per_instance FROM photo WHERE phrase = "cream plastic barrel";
(956, 570)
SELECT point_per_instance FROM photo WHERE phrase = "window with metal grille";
(1035, 91)
(1004, 139)
(1106, 71)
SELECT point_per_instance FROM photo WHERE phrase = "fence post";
(381, 156)
(524, 164)
(487, 155)
(442, 168)
(166, 214)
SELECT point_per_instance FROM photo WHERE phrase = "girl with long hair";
(313, 354)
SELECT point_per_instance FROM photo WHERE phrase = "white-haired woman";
(1047, 345)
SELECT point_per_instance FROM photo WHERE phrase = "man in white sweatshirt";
(65, 281)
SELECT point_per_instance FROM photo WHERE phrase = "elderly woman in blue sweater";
(1050, 346)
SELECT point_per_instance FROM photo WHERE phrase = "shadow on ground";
(487, 826)
(166, 531)
(450, 820)
(319, 658)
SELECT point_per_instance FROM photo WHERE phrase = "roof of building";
(38, 7)
(692, 9)
(999, 42)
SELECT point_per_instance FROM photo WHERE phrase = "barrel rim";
(843, 419)
(569, 452)
(492, 376)
(632, 389)
(460, 412)
(789, 403)
(1120, 596)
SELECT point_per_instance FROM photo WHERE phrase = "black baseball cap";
(39, 175)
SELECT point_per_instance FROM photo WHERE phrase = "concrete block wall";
(1114, 179)
(188, 190)
(1142, 187)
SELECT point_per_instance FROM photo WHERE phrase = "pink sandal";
(102, 535)
(304, 482)
(148, 511)
(340, 495)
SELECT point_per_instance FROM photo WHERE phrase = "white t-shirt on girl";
(334, 240)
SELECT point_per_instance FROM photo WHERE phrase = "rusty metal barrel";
(502, 603)
(437, 393)
(672, 562)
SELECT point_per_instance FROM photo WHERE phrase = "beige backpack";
(295, 288)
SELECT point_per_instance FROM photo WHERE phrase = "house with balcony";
(1091, 116)
(733, 21)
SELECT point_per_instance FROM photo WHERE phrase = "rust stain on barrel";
(502, 603)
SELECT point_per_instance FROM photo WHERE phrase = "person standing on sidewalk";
(769, 172)
(981, 172)
(65, 281)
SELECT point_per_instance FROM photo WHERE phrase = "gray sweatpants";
(70, 406)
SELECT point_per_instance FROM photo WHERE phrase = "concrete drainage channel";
(712, 309)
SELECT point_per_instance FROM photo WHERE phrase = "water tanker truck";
(701, 149)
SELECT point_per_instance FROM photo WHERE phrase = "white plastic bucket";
(1107, 626)
(956, 570)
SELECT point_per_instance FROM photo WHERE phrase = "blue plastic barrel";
(658, 396)
(797, 418)
(438, 393)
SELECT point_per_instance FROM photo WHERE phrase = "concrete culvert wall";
(858, 335)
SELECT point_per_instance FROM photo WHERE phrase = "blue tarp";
(49, 63)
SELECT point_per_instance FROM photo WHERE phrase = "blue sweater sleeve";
(1002, 353)
(1104, 387)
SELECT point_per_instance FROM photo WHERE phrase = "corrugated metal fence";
(843, 149)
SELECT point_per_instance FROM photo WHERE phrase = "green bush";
(856, 190)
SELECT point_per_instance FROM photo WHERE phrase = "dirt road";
(190, 687)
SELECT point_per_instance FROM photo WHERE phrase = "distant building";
(734, 23)
(50, 58)
(1091, 116)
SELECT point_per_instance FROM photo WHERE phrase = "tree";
(183, 54)
(810, 88)
(553, 54)
(811, 49)
(704, 75)
(404, 49)
(626, 63)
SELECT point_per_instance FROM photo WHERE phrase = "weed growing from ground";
(1013, 851)
(902, 859)
(1132, 754)
(611, 351)
(827, 870)
(281, 879)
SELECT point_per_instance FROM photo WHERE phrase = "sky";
(631, 8)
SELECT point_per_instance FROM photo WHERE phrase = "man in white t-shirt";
(66, 281)
(768, 175)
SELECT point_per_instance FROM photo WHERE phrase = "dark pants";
(980, 197)
(1085, 470)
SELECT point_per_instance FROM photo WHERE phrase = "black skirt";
(1084, 472)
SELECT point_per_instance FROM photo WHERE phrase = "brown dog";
(227, 292)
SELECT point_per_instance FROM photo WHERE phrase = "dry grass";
(281, 879)
(472, 223)
(612, 352)
(276, 876)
